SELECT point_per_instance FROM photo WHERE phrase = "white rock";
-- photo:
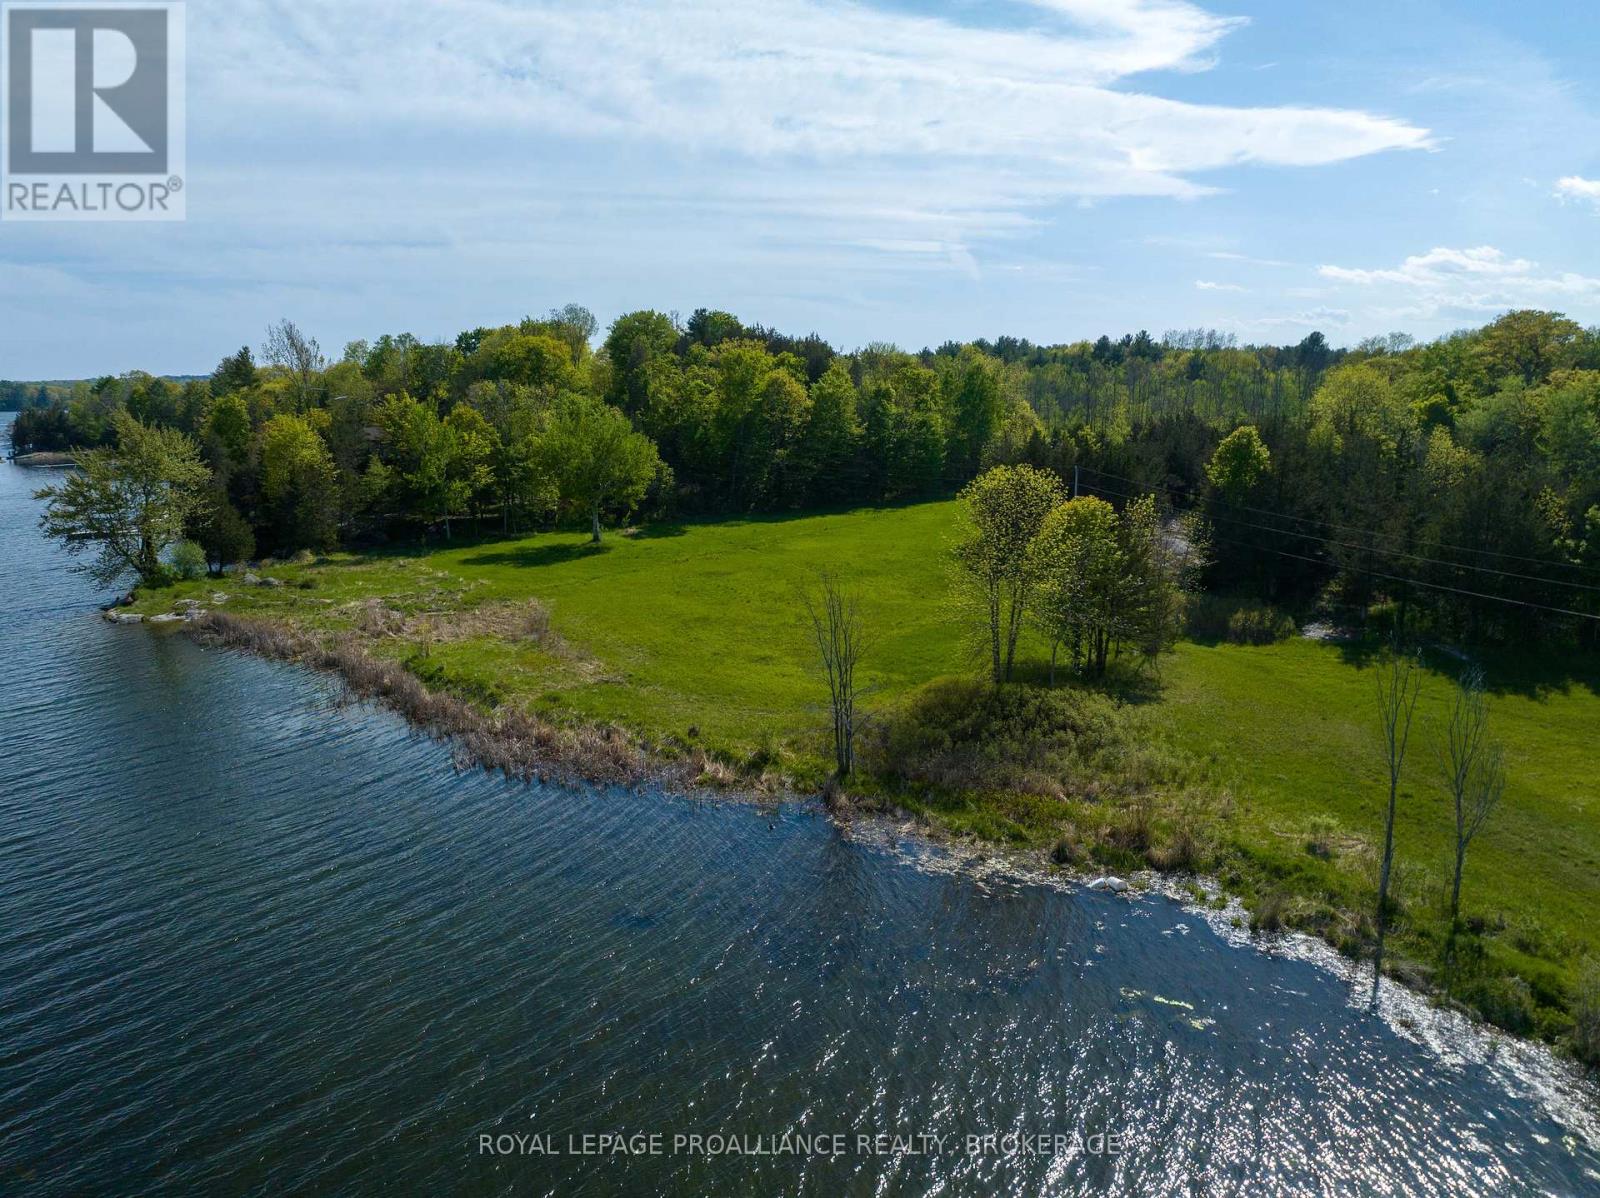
(166, 618)
(1114, 884)
(125, 617)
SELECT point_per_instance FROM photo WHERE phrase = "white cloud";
(431, 165)
(1439, 265)
(1312, 318)
(927, 104)
(1576, 187)
(1479, 280)
(1208, 285)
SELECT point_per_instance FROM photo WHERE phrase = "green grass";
(694, 633)
(1293, 726)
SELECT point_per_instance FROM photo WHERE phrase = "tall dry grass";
(508, 741)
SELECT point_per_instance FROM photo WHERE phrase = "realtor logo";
(92, 124)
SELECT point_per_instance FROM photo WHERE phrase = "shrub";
(1182, 853)
(162, 576)
(1270, 910)
(1321, 832)
(1585, 1009)
(968, 733)
(1506, 1002)
(1259, 626)
(1137, 827)
(1066, 852)
(226, 536)
(188, 560)
(1238, 621)
(1383, 618)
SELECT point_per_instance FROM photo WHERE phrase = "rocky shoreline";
(527, 748)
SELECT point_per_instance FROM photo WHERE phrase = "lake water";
(253, 940)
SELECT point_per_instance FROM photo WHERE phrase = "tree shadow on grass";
(528, 556)
(1535, 675)
(1530, 673)
(656, 532)
(1359, 652)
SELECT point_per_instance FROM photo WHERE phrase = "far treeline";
(16, 397)
(1452, 486)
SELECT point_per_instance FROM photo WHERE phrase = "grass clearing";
(692, 635)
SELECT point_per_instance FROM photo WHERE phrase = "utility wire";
(1393, 553)
(1538, 561)
(1434, 586)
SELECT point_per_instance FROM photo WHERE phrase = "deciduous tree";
(836, 631)
(1472, 767)
(298, 485)
(129, 503)
(598, 461)
(1239, 463)
(1399, 684)
(1003, 511)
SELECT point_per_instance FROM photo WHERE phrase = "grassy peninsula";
(1257, 763)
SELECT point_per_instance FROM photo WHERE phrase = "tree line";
(1454, 484)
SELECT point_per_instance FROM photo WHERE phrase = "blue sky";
(894, 171)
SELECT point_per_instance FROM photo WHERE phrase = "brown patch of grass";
(706, 770)
(1067, 851)
(518, 623)
(1133, 833)
(1182, 853)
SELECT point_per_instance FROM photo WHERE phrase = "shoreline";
(1567, 1089)
(522, 747)
(43, 460)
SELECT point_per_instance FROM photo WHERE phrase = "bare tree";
(1474, 774)
(836, 629)
(1399, 683)
(300, 355)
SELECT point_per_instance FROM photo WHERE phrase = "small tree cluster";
(1092, 580)
(1471, 769)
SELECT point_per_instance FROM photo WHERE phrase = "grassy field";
(693, 634)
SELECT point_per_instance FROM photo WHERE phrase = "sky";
(871, 171)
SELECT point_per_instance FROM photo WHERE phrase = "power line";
(1538, 561)
(1416, 557)
(1434, 586)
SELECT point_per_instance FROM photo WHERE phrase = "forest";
(1452, 486)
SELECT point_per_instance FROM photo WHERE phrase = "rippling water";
(253, 940)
